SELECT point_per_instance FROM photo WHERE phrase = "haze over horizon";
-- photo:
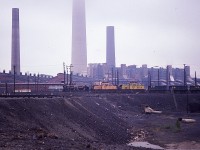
(152, 32)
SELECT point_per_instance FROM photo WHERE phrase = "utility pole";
(70, 71)
(70, 82)
(112, 76)
(184, 75)
(28, 80)
(149, 79)
(195, 79)
(117, 77)
(167, 77)
(108, 77)
(67, 75)
(158, 77)
(37, 81)
(14, 78)
(64, 71)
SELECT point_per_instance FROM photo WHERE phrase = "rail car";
(179, 89)
(71, 88)
(104, 87)
(195, 89)
(174, 89)
(168, 89)
(131, 87)
(158, 89)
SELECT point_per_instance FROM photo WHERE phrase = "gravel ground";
(97, 121)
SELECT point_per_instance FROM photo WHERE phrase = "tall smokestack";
(110, 47)
(79, 48)
(15, 60)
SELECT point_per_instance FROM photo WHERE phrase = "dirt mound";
(89, 121)
(73, 120)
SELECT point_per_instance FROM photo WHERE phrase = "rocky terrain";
(97, 121)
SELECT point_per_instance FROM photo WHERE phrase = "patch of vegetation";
(178, 125)
(174, 128)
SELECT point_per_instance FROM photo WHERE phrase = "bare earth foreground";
(97, 121)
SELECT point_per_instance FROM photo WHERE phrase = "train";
(131, 87)
(106, 87)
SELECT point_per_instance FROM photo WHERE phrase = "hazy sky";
(153, 32)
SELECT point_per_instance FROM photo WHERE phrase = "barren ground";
(97, 121)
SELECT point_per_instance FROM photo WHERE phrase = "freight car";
(179, 89)
(73, 88)
(158, 89)
(175, 89)
(131, 87)
(104, 87)
(168, 89)
(195, 89)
